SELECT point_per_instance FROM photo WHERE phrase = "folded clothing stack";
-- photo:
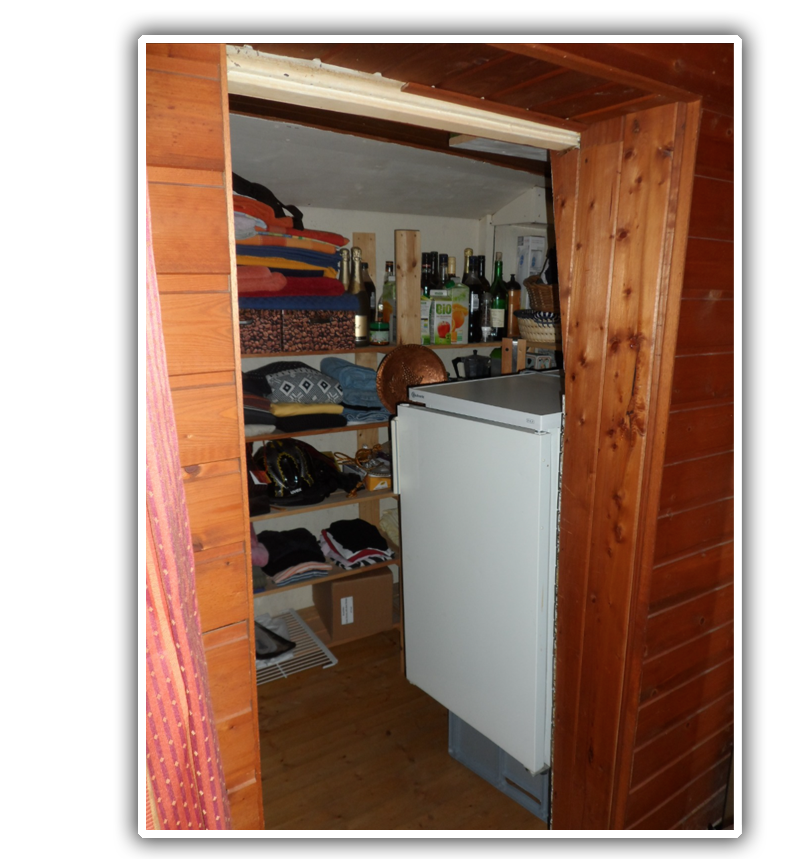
(280, 247)
(360, 400)
(294, 556)
(290, 396)
(354, 543)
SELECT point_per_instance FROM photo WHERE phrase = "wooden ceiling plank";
(569, 57)
(493, 107)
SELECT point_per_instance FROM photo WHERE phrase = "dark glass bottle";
(434, 271)
(499, 301)
(514, 303)
(443, 271)
(481, 272)
(357, 288)
(475, 285)
(424, 274)
(370, 286)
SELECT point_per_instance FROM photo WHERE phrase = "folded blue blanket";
(349, 375)
(307, 256)
(346, 301)
(363, 416)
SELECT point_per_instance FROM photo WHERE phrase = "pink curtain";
(185, 786)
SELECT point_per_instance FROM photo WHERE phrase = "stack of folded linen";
(354, 543)
(360, 400)
(300, 261)
(294, 556)
(291, 396)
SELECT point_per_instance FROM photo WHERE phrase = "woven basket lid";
(405, 367)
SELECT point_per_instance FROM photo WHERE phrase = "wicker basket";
(537, 327)
(543, 296)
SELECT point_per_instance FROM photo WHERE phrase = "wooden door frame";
(602, 606)
(622, 205)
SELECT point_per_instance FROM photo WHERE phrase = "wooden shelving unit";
(343, 499)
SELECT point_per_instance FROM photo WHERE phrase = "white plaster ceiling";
(310, 167)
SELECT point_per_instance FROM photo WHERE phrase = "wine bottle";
(472, 280)
(370, 286)
(434, 272)
(481, 272)
(514, 303)
(451, 273)
(345, 268)
(424, 274)
(387, 302)
(357, 288)
(443, 271)
(498, 300)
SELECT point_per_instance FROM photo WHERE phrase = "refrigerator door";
(478, 531)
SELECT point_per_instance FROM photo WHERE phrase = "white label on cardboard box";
(346, 610)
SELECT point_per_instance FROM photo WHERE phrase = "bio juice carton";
(459, 296)
(426, 305)
(440, 317)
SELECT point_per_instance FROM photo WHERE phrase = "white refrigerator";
(476, 468)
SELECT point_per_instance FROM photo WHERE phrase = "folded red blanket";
(255, 279)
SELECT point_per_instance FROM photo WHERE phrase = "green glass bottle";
(499, 302)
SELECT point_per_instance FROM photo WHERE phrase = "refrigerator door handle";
(394, 451)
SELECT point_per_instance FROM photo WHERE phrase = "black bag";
(245, 188)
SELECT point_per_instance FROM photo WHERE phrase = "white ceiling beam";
(310, 83)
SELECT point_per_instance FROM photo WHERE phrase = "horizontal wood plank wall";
(685, 725)
(187, 156)
(621, 257)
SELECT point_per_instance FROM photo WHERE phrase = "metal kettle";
(474, 366)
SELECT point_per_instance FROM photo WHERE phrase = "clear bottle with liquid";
(357, 288)
(370, 287)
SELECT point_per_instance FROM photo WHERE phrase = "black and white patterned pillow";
(297, 382)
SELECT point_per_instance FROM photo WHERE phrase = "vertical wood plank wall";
(684, 733)
(187, 157)
(620, 205)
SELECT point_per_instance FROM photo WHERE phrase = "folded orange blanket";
(260, 210)
(303, 244)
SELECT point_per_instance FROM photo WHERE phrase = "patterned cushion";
(296, 382)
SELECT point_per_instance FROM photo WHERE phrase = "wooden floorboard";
(356, 746)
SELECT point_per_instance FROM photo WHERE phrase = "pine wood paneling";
(679, 806)
(245, 806)
(696, 482)
(708, 814)
(655, 792)
(207, 424)
(185, 58)
(220, 586)
(214, 510)
(716, 156)
(625, 259)
(709, 269)
(229, 656)
(190, 229)
(712, 213)
(198, 331)
(692, 530)
(664, 711)
(682, 735)
(184, 121)
(677, 666)
(702, 379)
(705, 326)
(709, 568)
(676, 624)
(237, 741)
(700, 432)
(194, 283)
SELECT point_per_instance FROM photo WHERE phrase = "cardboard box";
(440, 317)
(460, 313)
(356, 607)
(530, 255)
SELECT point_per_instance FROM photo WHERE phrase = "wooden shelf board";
(290, 356)
(341, 501)
(548, 347)
(347, 428)
(336, 573)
